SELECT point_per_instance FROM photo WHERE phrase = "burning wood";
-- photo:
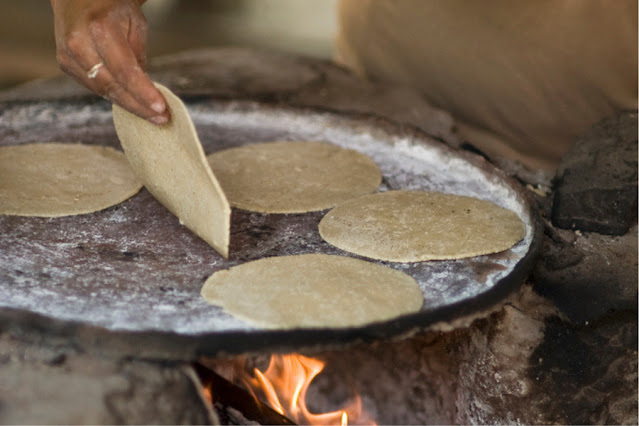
(220, 391)
(284, 384)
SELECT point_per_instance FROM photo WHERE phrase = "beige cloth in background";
(521, 78)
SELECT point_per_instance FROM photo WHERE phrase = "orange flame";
(285, 383)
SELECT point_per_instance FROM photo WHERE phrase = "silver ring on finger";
(95, 69)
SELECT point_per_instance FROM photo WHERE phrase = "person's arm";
(112, 33)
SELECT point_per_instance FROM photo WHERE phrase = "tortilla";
(293, 177)
(169, 159)
(413, 226)
(63, 179)
(313, 290)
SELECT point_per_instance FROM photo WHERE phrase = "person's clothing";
(521, 78)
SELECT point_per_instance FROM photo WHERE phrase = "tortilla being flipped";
(63, 179)
(169, 159)
(313, 290)
(293, 177)
(413, 226)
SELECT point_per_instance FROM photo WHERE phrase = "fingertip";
(159, 120)
(156, 101)
(158, 106)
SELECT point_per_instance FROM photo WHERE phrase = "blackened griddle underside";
(128, 279)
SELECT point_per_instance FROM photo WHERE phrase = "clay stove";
(128, 278)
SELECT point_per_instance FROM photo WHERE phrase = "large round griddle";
(128, 279)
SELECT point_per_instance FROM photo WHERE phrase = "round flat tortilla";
(63, 179)
(313, 290)
(293, 177)
(413, 226)
(170, 160)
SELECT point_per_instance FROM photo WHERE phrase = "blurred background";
(27, 46)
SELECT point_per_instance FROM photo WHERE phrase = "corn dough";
(169, 159)
(413, 226)
(293, 177)
(63, 179)
(313, 290)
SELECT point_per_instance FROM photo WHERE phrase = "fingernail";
(158, 120)
(158, 107)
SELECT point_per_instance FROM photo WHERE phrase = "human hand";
(112, 33)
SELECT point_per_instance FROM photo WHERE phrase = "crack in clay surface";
(134, 267)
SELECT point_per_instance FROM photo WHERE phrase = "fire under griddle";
(128, 278)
